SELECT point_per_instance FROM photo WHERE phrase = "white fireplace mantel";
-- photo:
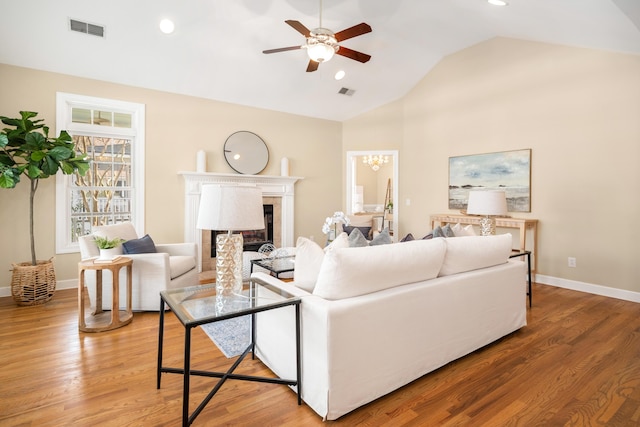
(272, 186)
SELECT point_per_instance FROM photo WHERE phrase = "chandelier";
(375, 161)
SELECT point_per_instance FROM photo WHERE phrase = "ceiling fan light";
(320, 52)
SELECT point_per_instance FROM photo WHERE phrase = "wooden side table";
(100, 320)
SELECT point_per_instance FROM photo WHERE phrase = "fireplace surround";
(278, 191)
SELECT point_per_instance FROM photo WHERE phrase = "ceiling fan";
(322, 43)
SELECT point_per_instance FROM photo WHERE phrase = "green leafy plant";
(105, 243)
(26, 149)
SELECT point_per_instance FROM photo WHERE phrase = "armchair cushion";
(143, 245)
(180, 264)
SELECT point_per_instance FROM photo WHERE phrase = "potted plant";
(27, 150)
(108, 247)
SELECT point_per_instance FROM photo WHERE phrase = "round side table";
(100, 320)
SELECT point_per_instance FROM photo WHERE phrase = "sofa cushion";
(180, 264)
(474, 252)
(309, 256)
(349, 272)
(143, 245)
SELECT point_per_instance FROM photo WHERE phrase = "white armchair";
(172, 266)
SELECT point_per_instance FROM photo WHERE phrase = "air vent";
(346, 91)
(84, 27)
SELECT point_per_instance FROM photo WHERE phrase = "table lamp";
(489, 204)
(230, 208)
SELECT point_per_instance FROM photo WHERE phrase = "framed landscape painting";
(506, 170)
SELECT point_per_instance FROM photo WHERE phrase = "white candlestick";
(284, 167)
(201, 161)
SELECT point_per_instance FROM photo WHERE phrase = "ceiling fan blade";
(282, 49)
(299, 27)
(313, 66)
(353, 54)
(356, 30)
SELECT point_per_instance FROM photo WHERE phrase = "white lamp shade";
(230, 207)
(487, 203)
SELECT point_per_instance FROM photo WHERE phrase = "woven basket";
(33, 284)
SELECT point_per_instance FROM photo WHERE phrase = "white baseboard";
(5, 291)
(589, 288)
(539, 278)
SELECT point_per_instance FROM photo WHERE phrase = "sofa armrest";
(185, 249)
(285, 286)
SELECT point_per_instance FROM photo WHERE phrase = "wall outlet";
(571, 262)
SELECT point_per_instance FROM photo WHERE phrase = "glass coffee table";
(277, 265)
(199, 305)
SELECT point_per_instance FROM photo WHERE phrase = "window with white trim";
(111, 133)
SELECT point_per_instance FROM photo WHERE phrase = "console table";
(522, 224)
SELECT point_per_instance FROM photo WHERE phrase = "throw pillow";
(357, 239)
(444, 231)
(384, 238)
(364, 230)
(409, 237)
(309, 256)
(143, 245)
(460, 231)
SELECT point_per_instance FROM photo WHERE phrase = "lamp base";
(229, 264)
(487, 226)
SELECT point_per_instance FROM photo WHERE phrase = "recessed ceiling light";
(498, 2)
(167, 26)
(340, 75)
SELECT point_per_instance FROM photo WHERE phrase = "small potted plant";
(108, 247)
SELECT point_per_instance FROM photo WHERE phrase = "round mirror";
(246, 152)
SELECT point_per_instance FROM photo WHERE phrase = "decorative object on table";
(201, 161)
(266, 250)
(246, 153)
(109, 248)
(330, 226)
(375, 161)
(509, 171)
(489, 204)
(28, 150)
(230, 208)
(284, 167)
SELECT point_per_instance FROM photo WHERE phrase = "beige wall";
(577, 109)
(176, 127)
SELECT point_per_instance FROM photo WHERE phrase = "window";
(111, 133)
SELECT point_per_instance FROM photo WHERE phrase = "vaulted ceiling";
(216, 49)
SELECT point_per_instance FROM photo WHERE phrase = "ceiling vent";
(346, 91)
(83, 27)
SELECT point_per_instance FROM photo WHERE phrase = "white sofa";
(172, 266)
(380, 317)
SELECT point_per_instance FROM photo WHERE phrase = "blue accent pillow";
(364, 230)
(409, 237)
(143, 245)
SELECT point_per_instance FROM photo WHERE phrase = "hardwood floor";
(577, 363)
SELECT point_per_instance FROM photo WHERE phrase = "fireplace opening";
(252, 239)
